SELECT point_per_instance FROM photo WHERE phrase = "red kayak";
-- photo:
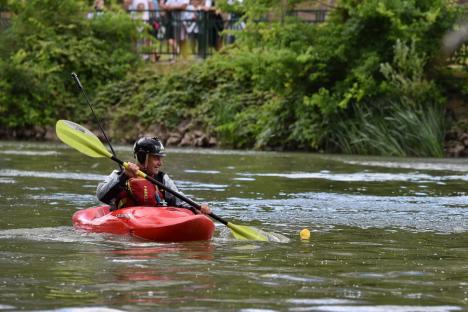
(161, 224)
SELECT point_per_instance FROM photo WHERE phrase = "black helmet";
(145, 145)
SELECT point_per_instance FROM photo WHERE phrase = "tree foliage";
(353, 84)
(366, 81)
(47, 40)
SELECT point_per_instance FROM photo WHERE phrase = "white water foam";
(195, 186)
(203, 171)
(29, 153)
(87, 309)
(66, 234)
(7, 181)
(381, 308)
(362, 176)
(439, 214)
(460, 167)
(75, 199)
(51, 175)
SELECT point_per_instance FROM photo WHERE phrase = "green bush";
(47, 40)
(408, 121)
(368, 81)
(353, 84)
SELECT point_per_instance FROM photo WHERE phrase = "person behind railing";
(156, 20)
(98, 9)
(210, 24)
(193, 20)
(139, 9)
(215, 24)
(174, 32)
(154, 8)
(234, 21)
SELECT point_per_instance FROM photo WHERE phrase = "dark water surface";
(387, 235)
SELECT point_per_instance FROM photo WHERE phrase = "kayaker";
(123, 188)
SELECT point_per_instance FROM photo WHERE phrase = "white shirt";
(145, 13)
(177, 2)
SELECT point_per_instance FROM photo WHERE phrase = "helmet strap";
(146, 161)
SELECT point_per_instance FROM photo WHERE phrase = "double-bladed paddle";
(84, 141)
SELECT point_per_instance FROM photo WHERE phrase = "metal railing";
(310, 16)
(188, 34)
(4, 20)
(184, 34)
(196, 34)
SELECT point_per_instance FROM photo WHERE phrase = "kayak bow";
(160, 224)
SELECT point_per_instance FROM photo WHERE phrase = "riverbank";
(456, 139)
(185, 135)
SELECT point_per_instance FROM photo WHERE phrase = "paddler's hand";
(131, 170)
(205, 209)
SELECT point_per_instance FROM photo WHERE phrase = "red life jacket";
(139, 192)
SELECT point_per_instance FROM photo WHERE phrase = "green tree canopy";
(47, 40)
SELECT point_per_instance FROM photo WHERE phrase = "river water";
(387, 234)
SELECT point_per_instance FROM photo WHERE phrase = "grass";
(399, 131)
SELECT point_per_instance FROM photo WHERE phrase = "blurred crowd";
(195, 26)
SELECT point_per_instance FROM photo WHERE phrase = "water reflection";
(148, 273)
(192, 250)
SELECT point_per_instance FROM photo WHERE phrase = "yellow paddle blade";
(243, 232)
(81, 139)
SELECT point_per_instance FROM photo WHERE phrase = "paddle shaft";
(176, 194)
(80, 86)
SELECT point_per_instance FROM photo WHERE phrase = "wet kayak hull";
(161, 224)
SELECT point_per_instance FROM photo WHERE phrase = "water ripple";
(363, 176)
(381, 308)
(30, 153)
(196, 186)
(51, 175)
(57, 234)
(88, 309)
(7, 181)
(412, 165)
(439, 214)
(203, 171)
(75, 199)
